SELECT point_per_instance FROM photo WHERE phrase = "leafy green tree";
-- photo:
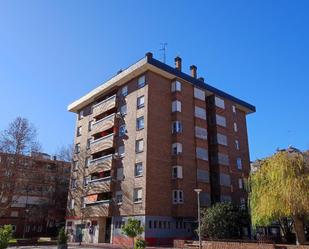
(5, 235)
(223, 221)
(280, 189)
(62, 239)
(132, 229)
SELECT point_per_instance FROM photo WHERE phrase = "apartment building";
(145, 139)
(33, 193)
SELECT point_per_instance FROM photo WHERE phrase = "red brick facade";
(184, 146)
(36, 203)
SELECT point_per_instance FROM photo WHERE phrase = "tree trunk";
(299, 230)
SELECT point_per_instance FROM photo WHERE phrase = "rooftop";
(149, 63)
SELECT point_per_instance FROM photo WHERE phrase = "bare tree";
(65, 153)
(18, 140)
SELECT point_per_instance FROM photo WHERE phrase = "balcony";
(103, 124)
(102, 143)
(100, 164)
(99, 185)
(97, 208)
(103, 106)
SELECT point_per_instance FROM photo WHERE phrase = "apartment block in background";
(33, 193)
(145, 139)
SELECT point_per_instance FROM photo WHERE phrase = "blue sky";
(53, 52)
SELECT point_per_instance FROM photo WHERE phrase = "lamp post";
(198, 191)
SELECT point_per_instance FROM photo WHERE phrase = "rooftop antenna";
(163, 49)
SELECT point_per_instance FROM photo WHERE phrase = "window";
(242, 203)
(235, 127)
(141, 81)
(138, 169)
(176, 127)
(176, 86)
(137, 195)
(121, 150)
(200, 132)
(239, 163)
(88, 143)
(140, 102)
(120, 174)
(177, 172)
(240, 183)
(205, 199)
(234, 109)
(140, 123)
(200, 112)
(90, 123)
(122, 130)
(225, 198)
(201, 153)
(223, 159)
(202, 175)
(87, 162)
(225, 180)
(79, 131)
(199, 94)
(123, 110)
(176, 106)
(81, 114)
(220, 120)
(177, 196)
(139, 145)
(237, 144)
(221, 139)
(72, 204)
(119, 197)
(73, 183)
(219, 102)
(75, 165)
(77, 148)
(124, 91)
(14, 214)
(176, 148)
(149, 224)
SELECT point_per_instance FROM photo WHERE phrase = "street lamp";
(198, 191)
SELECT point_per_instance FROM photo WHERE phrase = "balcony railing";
(98, 202)
(104, 106)
(98, 208)
(100, 164)
(101, 144)
(103, 124)
(99, 185)
(104, 179)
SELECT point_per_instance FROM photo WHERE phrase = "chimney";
(193, 71)
(148, 55)
(178, 63)
(201, 79)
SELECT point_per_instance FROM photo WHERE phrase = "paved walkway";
(54, 247)
(76, 246)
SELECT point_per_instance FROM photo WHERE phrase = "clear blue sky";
(53, 52)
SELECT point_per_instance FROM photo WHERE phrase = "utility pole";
(198, 191)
